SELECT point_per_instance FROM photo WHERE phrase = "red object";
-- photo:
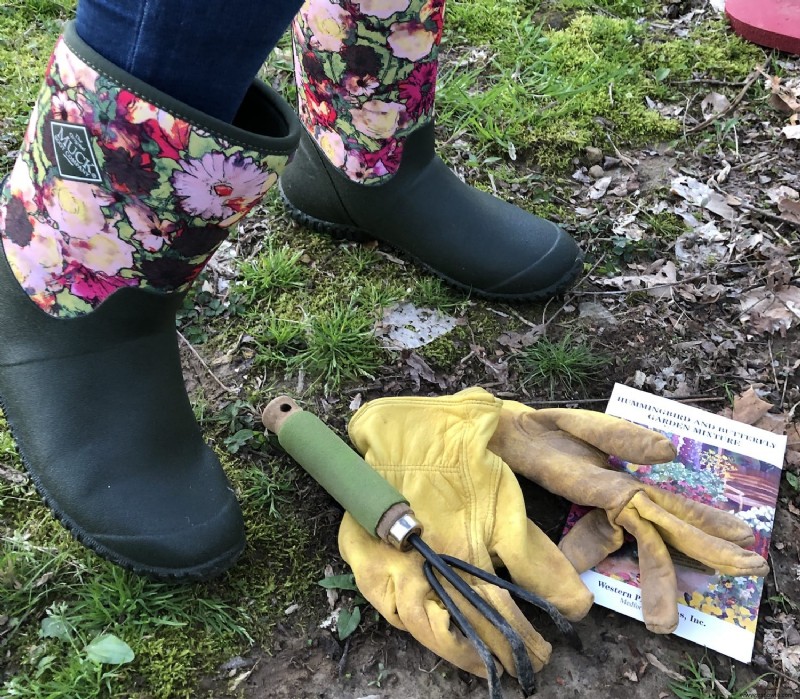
(773, 23)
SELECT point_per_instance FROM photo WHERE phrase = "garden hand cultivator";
(414, 567)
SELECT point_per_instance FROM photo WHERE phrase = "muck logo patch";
(74, 156)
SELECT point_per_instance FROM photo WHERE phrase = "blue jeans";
(202, 52)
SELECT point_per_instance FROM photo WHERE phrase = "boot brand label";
(74, 155)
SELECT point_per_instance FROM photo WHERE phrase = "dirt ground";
(380, 662)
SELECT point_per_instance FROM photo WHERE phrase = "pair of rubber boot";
(120, 196)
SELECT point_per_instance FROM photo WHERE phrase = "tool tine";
(493, 676)
(522, 662)
(548, 607)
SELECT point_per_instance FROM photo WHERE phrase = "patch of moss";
(481, 22)
(169, 662)
(711, 50)
(616, 8)
(550, 94)
(665, 226)
(447, 351)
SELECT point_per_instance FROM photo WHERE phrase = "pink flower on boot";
(217, 187)
(91, 285)
(382, 8)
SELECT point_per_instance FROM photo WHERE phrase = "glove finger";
(657, 574)
(723, 525)
(611, 435)
(536, 564)
(591, 539)
(719, 554)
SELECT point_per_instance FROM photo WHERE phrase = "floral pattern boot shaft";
(366, 78)
(111, 191)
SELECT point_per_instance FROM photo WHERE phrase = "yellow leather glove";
(433, 450)
(566, 452)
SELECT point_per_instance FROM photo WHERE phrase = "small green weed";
(267, 488)
(241, 426)
(377, 294)
(277, 339)
(349, 617)
(568, 365)
(360, 258)
(198, 307)
(431, 292)
(702, 683)
(272, 271)
(339, 345)
(782, 603)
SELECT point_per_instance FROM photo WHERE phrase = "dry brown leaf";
(12, 475)
(658, 665)
(792, 132)
(785, 95)
(515, 340)
(749, 408)
(598, 189)
(419, 369)
(766, 310)
(789, 208)
(793, 444)
(714, 103)
(700, 194)
(659, 273)
(630, 674)
(752, 410)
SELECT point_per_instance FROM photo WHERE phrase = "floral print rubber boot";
(119, 197)
(366, 166)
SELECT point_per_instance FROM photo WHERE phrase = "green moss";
(550, 94)
(665, 226)
(169, 663)
(447, 351)
(711, 50)
(616, 8)
(481, 22)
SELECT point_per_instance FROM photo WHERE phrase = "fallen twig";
(343, 660)
(689, 399)
(205, 366)
(734, 103)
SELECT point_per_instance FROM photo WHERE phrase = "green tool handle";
(351, 481)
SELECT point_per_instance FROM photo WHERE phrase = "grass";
(702, 683)
(339, 344)
(564, 366)
(274, 270)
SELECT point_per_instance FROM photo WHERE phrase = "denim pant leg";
(202, 52)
